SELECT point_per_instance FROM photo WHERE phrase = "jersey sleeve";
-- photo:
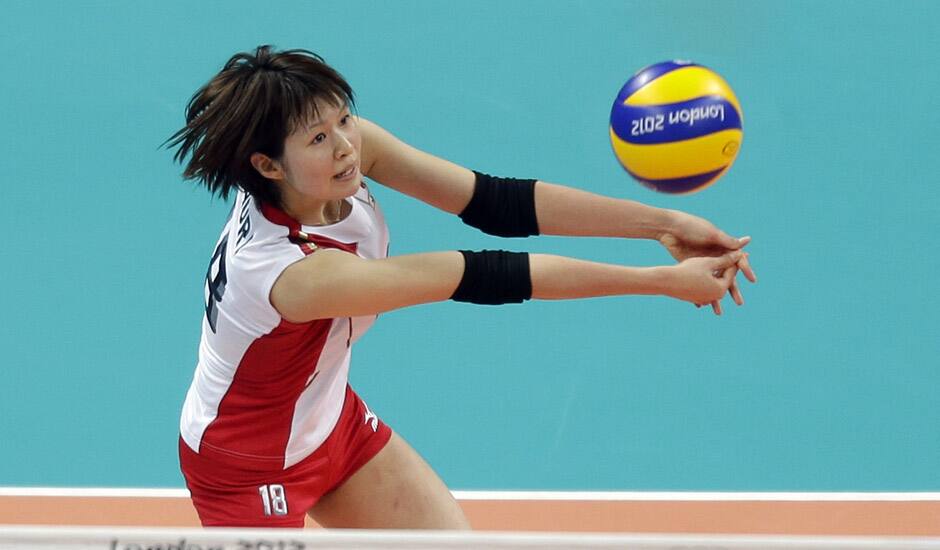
(253, 270)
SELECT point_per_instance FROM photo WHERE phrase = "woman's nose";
(344, 145)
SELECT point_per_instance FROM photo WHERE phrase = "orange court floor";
(849, 514)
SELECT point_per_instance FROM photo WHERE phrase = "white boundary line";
(108, 492)
(57, 538)
(690, 496)
(105, 492)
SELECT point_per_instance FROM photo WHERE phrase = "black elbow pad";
(494, 277)
(504, 207)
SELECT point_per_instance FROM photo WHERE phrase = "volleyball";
(676, 127)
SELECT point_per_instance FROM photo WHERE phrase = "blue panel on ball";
(647, 74)
(678, 185)
(651, 124)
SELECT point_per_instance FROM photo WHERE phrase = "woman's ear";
(267, 167)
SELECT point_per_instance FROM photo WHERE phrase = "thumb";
(729, 242)
(727, 260)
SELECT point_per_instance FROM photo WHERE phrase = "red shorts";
(232, 495)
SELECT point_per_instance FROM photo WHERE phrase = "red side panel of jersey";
(254, 417)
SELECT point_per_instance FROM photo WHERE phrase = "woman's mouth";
(347, 173)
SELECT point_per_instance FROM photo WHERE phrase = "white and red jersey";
(267, 390)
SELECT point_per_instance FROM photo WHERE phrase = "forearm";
(430, 277)
(560, 278)
(568, 211)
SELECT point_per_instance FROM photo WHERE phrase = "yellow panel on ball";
(679, 159)
(682, 85)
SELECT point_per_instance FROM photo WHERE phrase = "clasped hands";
(690, 237)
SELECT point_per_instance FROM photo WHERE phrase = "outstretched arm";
(332, 283)
(560, 210)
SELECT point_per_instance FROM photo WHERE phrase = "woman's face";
(321, 158)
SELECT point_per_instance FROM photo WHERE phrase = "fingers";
(725, 268)
(745, 266)
(734, 289)
(735, 292)
(727, 279)
(727, 260)
(716, 307)
(727, 276)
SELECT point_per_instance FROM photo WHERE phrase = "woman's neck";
(326, 213)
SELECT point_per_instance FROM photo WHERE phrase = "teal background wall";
(827, 379)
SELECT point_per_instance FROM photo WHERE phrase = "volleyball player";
(270, 429)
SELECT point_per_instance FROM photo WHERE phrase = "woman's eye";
(319, 137)
(344, 120)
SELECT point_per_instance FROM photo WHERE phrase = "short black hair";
(252, 105)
